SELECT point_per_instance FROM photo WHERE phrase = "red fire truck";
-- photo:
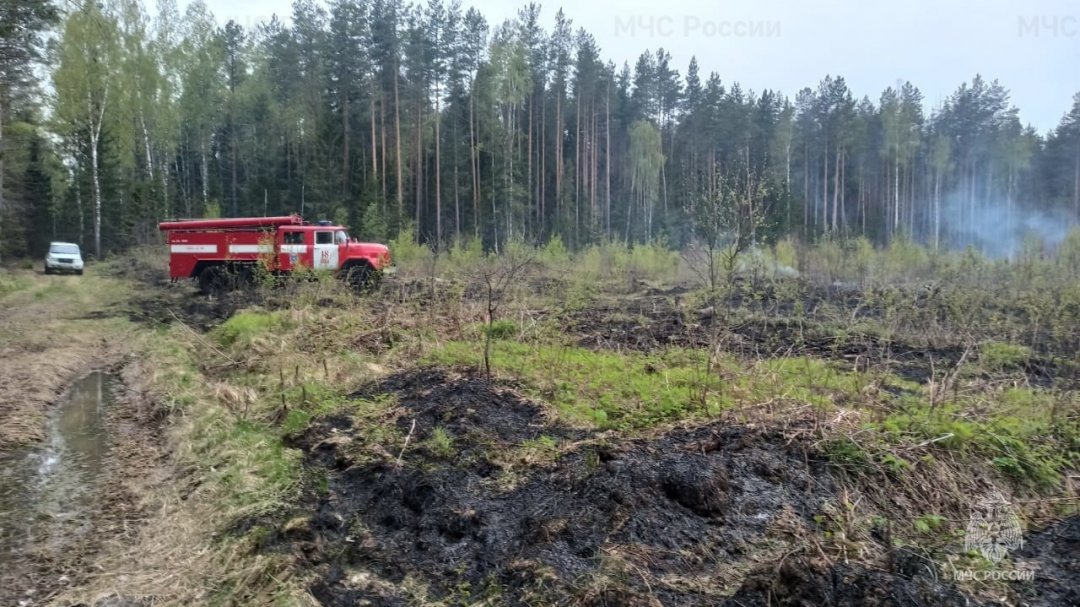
(221, 253)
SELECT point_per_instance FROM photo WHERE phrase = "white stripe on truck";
(250, 248)
(294, 248)
(194, 248)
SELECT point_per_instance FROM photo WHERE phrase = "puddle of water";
(47, 490)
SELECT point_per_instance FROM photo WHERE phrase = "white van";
(63, 257)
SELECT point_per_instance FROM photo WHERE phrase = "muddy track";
(57, 330)
(63, 555)
(37, 363)
(678, 518)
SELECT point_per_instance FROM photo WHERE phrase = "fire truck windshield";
(341, 237)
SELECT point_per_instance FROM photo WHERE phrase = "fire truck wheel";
(211, 280)
(243, 277)
(360, 276)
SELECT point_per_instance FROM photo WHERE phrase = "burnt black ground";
(767, 327)
(691, 503)
(467, 406)
(157, 300)
(1055, 555)
(801, 582)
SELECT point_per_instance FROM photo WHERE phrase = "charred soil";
(677, 517)
(826, 326)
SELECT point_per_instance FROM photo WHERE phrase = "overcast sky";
(1032, 47)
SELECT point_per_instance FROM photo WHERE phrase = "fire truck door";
(293, 249)
(326, 251)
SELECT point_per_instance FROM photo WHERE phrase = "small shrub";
(466, 252)
(903, 257)
(786, 253)
(243, 327)
(653, 261)
(830, 260)
(554, 252)
(862, 257)
(501, 329)
(404, 248)
(1069, 252)
(441, 443)
(999, 356)
(929, 523)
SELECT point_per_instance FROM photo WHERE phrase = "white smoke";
(761, 261)
(998, 229)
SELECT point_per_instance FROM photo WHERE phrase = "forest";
(427, 119)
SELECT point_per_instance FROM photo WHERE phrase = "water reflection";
(46, 490)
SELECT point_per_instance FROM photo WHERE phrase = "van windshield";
(64, 249)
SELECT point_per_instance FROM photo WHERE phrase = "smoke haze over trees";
(382, 115)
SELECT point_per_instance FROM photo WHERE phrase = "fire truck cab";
(220, 253)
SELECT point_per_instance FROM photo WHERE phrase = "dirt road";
(78, 439)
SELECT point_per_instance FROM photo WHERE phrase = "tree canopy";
(384, 115)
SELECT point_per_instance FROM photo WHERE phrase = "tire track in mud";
(109, 509)
(56, 332)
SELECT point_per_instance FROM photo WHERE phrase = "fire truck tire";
(243, 277)
(211, 280)
(360, 276)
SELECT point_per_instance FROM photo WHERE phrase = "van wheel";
(79, 272)
(48, 270)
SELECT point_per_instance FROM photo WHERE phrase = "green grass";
(632, 391)
(10, 283)
(635, 390)
(249, 468)
(501, 329)
(1017, 433)
(999, 356)
(929, 523)
(606, 389)
(307, 401)
(441, 443)
(245, 326)
(253, 467)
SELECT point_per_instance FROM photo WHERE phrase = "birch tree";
(646, 161)
(83, 81)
